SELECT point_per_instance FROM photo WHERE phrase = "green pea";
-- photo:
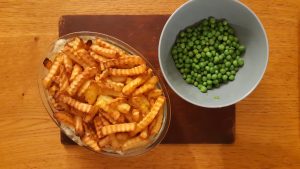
(231, 77)
(208, 54)
(208, 76)
(228, 57)
(227, 64)
(209, 82)
(204, 78)
(196, 83)
(214, 76)
(240, 62)
(242, 48)
(216, 81)
(203, 89)
(225, 77)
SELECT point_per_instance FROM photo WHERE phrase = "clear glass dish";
(55, 46)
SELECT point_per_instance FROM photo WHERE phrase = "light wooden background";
(267, 122)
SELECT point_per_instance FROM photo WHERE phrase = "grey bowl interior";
(250, 32)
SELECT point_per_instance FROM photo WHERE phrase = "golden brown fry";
(98, 125)
(89, 117)
(64, 81)
(130, 60)
(141, 103)
(135, 115)
(132, 85)
(79, 130)
(119, 79)
(104, 121)
(102, 76)
(158, 122)
(67, 63)
(91, 142)
(84, 55)
(115, 102)
(109, 117)
(108, 53)
(128, 79)
(114, 85)
(91, 93)
(47, 63)
(128, 117)
(98, 58)
(149, 85)
(114, 142)
(128, 72)
(150, 116)
(134, 143)
(144, 133)
(53, 70)
(124, 127)
(104, 44)
(122, 136)
(104, 141)
(77, 59)
(155, 93)
(83, 88)
(103, 103)
(76, 112)
(65, 118)
(80, 79)
(76, 43)
(76, 70)
(53, 89)
(78, 105)
(121, 119)
(123, 108)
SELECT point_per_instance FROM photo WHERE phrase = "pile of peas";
(208, 54)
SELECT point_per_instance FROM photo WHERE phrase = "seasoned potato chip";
(124, 127)
(128, 72)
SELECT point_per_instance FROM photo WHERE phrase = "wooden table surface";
(267, 122)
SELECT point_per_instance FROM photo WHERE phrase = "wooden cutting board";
(190, 124)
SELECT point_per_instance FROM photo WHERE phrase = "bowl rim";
(219, 105)
(46, 102)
